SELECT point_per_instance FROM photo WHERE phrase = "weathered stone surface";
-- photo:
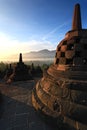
(62, 92)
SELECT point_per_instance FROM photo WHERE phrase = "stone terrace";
(16, 110)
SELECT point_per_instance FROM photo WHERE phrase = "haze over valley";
(42, 55)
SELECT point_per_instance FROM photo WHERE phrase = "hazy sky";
(32, 25)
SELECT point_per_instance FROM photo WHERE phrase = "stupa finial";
(20, 57)
(76, 24)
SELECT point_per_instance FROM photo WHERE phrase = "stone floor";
(16, 111)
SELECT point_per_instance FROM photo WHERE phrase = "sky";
(33, 25)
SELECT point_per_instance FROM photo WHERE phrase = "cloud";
(55, 29)
(9, 45)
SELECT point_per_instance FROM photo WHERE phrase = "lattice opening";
(78, 54)
(62, 54)
(70, 47)
(69, 61)
(57, 61)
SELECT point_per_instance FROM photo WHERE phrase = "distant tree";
(3, 66)
(44, 67)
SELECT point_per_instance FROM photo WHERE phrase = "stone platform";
(16, 110)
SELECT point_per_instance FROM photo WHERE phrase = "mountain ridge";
(45, 53)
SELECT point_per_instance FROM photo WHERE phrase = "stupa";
(36, 71)
(20, 72)
(9, 71)
(62, 91)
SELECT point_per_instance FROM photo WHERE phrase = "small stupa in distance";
(61, 93)
(20, 72)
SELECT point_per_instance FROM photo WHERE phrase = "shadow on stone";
(18, 115)
(1, 105)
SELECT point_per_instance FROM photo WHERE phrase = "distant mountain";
(34, 55)
(40, 54)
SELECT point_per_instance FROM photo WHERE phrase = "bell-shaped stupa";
(62, 92)
(21, 72)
